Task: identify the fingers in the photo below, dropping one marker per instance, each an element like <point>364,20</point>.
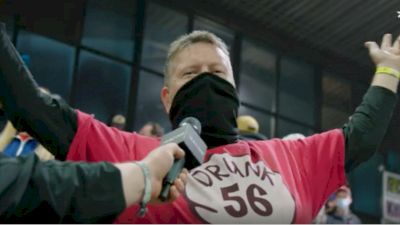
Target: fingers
<point>372,46</point>
<point>176,189</point>
<point>179,186</point>
<point>173,194</point>
<point>386,41</point>
<point>183,175</point>
<point>396,44</point>
<point>180,182</point>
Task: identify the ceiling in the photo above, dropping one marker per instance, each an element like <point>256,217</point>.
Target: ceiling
<point>338,26</point>
<point>330,32</point>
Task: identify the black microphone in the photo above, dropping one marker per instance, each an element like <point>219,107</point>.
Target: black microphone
<point>187,136</point>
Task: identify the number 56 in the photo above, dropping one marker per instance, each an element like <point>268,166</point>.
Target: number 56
<point>264,210</point>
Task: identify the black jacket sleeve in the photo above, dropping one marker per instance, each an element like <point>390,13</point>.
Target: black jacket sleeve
<point>44,116</point>
<point>32,191</point>
<point>367,126</point>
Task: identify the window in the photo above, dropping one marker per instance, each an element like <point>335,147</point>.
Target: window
<point>162,26</point>
<point>222,32</point>
<point>102,86</point>
<point>109,27</point>
<point>8,20</point>
<point>286,127</point>
<point>336,107</point>
<point>51,62</point>
<point>297,98</point>
<point>258,77</point>
<point>7,15</point>
<point>149,106</point>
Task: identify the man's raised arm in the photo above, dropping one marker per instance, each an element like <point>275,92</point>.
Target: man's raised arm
<point>367,126</point>
<point>47,118</point>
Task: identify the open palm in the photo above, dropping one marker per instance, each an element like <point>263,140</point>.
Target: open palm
<point>388,54</point>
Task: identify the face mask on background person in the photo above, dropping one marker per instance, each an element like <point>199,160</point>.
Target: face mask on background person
<point>343,205</point>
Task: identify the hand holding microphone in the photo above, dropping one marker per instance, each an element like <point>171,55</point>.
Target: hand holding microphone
<point>159,163</point>
<point>187,137</point>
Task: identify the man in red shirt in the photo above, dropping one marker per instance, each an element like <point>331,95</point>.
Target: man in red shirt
<point>271,181</point>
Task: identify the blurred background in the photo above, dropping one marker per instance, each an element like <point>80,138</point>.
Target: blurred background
<point>300,66</point>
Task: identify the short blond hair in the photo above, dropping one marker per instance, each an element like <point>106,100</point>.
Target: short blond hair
<point>197,36</point>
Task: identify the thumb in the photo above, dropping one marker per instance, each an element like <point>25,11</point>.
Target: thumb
<point>177,152</point>
<point>372,46</point>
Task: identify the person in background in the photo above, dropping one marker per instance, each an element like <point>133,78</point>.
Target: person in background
<point>294,136</point>
<point>248,128</point>
<point>339,208</point>
<point>14,143</point>
<point>152,129</point>
<point>118,121</point>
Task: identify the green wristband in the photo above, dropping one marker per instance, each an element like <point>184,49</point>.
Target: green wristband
<point>147,188</point>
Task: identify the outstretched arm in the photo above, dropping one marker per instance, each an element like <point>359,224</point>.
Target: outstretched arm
<point>46,117</point>
<point>367,126</point>
<point>53,192</point>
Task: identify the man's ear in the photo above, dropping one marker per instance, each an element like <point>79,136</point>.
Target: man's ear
<point>166,98</point>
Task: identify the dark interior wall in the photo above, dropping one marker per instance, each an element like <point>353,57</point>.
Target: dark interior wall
<point>55,19</point>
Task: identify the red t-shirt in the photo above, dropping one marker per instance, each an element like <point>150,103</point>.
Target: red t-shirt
<point>271,181</point>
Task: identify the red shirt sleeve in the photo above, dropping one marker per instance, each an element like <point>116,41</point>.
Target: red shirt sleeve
<point>320,160</point>
<point>94,141</point>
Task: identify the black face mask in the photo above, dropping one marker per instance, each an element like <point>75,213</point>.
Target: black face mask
<point>214,102</point>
